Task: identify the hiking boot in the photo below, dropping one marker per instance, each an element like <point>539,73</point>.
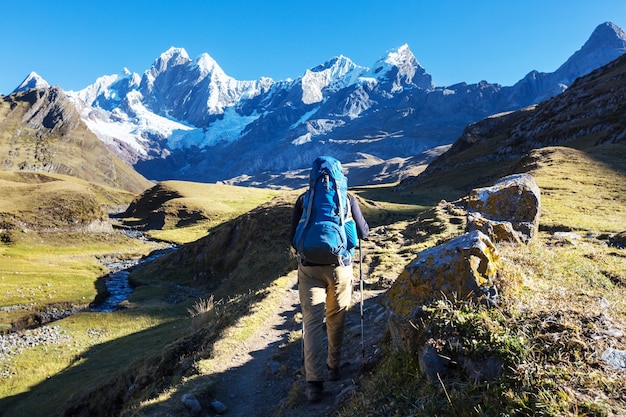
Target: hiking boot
<point>314,391</point>
<point>333,374</point>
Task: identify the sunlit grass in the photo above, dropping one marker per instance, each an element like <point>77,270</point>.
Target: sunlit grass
<point>43,272</point>
<point>582,191</point>
<point>560,297</point>
<point>81,335</point>
<point>190,210</point>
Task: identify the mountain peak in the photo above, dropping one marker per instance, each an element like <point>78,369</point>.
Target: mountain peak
<point>33,80</point>
<point>606,43</point>
<point>338,72</point>
<point>401,66</point>
<point>335,63</point>
<point>400,56</point>
<point>170,58</point>
<point>207,64</point>
<point>607,34</point>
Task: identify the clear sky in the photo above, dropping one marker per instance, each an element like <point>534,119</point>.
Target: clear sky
<point>70,43</point>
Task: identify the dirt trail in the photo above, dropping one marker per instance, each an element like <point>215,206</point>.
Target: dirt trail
<point>265,376</point>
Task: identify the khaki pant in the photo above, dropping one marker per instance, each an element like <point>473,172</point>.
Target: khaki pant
<point>323,289</point>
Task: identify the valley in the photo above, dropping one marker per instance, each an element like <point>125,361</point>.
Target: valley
<point>213,327</point>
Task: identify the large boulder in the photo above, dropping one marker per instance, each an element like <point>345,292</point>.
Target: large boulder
<point>508,210</point>
<point>464,267</point>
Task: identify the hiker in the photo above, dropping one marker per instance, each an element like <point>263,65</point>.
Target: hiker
<point>325,281</point>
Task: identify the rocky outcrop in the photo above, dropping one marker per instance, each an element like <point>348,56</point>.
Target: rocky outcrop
<point>509,210</point>
<point>43,132</point>
<point>462,269</point>
<point>464,266</point>
<point>618,240</point>
<point>50,109</point>
<point>588,114</point>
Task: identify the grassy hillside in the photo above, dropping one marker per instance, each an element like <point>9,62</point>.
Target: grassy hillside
<point>53,230</point>
<point>562,296</point>
<point>55,268</point>
<point>549,320</point>
<point>41,131</point>
<point>181,212</point>
<point>52,201</point>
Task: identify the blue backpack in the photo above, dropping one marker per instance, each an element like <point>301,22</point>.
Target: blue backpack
<point>326,233</point>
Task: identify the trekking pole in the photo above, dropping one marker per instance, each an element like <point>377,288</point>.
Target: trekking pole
<point>302,343</point>
<point>302,332</point>
<point>361,284</point>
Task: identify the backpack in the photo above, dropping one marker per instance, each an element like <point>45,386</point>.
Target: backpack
<point>326,232</point>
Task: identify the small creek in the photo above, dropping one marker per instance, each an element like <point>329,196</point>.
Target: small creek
<point>117,285</point>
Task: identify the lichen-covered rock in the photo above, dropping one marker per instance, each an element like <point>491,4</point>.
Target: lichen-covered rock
<point>462,267</point>
<point>498,231</point>
<point>515,199</point>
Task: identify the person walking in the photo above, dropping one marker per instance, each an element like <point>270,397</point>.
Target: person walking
<point>325,281</point>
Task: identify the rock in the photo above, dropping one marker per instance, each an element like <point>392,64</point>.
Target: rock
<point>481,371</point>
<point>191,402</point>
<point>219,407</point>
<point>50,109</point>
<point>615,358</point>
<point>432,364</point>
<point>604,303</point>
<point>515,199</point>
<point>616,333</point>
<point>274,367</point>
<point>463,267</point>
<point>618,240</point>
<point>498,231</point>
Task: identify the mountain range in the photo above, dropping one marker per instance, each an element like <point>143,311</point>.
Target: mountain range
<point>187,119</point>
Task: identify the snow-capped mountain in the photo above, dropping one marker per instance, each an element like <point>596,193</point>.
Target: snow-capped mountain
<point>32,81</point>
<point>187,119</point>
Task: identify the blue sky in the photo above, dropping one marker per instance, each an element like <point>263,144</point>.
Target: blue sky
<point>71,43</point>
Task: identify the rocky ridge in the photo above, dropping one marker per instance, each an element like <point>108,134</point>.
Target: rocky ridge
<point>588,114</point>
<point>42,131</point>
<point>261,132</point>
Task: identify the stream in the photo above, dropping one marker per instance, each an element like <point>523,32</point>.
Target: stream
<point>118,289</point>
<point>116,281</point>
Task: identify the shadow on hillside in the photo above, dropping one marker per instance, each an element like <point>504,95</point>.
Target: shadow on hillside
<point>134,368</point>
<point>612,156</point>
<point>108,368</point>
<point>101,380</point>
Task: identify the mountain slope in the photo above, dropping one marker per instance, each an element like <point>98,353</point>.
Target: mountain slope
<point>186,119</point>
<point>40,130</point>
<point>588,116</point>
<point>562,297</point>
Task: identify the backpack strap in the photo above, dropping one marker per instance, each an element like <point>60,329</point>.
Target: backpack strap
<point>342,214</point>
<point>309,205</point>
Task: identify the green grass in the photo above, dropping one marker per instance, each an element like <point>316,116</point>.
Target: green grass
<point>38,271</point>
<point>557,297</point>
<point>543,330</point>
<point>189,209</point>
<point>146,342</point>
<point>582,191</point>
<point>97,349</point>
